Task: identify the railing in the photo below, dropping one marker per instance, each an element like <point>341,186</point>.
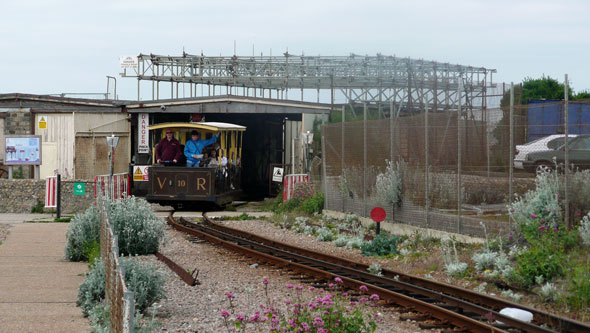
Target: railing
<point>119,189</point>
<point>120,301</point>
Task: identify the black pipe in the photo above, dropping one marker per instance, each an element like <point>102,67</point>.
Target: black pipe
<point>58,196</point>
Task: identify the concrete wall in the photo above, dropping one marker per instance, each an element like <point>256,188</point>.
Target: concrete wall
<point>21,195</point>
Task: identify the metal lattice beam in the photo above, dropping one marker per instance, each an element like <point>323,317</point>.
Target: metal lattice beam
<point>380,80</point>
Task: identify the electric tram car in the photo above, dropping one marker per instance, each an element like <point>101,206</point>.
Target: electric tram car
<point>180,186</point>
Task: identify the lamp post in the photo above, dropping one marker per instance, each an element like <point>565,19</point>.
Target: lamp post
<point>112,142</point>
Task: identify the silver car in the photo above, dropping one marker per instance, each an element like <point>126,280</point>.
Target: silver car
<point>550,142</point>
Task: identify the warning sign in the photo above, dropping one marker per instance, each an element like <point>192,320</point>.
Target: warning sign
<point>140,173</point>
<point>277,175</point>
<point>42,122</point>
<point>143,138</point>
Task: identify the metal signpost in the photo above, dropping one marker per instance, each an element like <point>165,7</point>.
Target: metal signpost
<point>112,142</point>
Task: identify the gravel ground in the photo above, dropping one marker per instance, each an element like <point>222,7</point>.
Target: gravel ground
<point>198,308</point>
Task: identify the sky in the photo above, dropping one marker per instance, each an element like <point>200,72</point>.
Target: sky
<point>59,46</point>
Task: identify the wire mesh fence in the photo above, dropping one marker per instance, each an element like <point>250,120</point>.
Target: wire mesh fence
<point>456,170</point>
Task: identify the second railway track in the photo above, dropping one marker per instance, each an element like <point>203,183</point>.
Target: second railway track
<point>450,308</point>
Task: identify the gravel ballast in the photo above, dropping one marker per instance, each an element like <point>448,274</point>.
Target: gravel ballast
<point>198,308</point>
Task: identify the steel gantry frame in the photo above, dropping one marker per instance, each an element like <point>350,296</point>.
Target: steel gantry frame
<point>389,82</point>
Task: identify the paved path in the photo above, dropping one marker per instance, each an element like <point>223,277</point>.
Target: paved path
<point>38,288</point>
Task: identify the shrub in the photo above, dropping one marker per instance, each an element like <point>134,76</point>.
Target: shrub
<point>139,230</point>
<point>83,232</point>
<point>355,243</point>
<point>539,260</point>
<point>484,260</point>
<point>375,269</point>
<point>584,229</point>
<point>382,245</point>
<point>142,278</point>
<point>453,266</point>
<point>580,289</point>
<point>325,235</point>
<point>549,292</point>
<point>540,205</point>
<point>341,241</point>
<point>389,183</point>
<point>512,295</point>
<point>313,204</point>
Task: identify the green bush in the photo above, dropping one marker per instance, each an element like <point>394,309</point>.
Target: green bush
<point>91,251</point>
<point>142,278</point>
<point>38,208</point>
<point>139,230</point>
<point>82,231</point>
<point>313,204</point>
<point>580,289</point>
<point>382,245</point>
<point>539,260</point>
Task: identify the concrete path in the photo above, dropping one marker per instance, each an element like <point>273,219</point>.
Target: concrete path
<point>38,288</point>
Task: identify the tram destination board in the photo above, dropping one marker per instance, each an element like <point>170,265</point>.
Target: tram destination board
<point>174,181</point>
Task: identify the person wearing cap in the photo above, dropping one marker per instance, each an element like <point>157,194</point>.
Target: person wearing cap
<point>168,149</point>
<point>194,147</point>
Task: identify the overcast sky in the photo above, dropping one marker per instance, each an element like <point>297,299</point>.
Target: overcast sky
<point>55,46</point>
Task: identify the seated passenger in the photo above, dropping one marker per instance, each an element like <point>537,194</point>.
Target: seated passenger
<point>168,149</point>
<point>194,147</point>
<point>205,160</point>
<point>213,163</point>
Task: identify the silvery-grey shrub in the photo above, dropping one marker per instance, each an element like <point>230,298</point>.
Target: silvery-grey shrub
<point>139,230</point>
<point>584,229</point>
<point>82,230</point>
<point>389,183</point>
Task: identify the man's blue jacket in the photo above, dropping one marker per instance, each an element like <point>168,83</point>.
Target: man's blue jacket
<point>195,148</point>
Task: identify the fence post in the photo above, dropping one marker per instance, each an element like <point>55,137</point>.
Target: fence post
<point>365,159</point>
<point>129,299</point>
<point>426,163</point>
<point>511,159</point>
<point>567,156</point>
<point>324,171</point>
<point>459,142</point>
<point>58,196</point>
<point>342,156</point>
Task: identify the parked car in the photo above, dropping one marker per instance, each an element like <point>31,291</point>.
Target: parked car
<point>543,161</point>
<point>550,142</point>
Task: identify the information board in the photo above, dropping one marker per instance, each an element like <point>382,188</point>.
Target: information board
<point>22,149</point>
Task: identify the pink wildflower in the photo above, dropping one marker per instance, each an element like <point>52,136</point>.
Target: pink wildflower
<point>229,295</point>
<point>224,313</point>
<point>331,285</point>
<point>510,237</point>
<point>311,288</point>
<point>240,317</point>
<point>555,229</point>
<point>255,317</point>
<point>318,322</point>
<point>345,294</point>
<point>374,297</point>
<point>287,302</point>
<point>353,303</point>
<point>306,327</point>
<point>265,281</point>
<point>363,299</point>
<point>364,288</point>
<point>542,228</point>
<point>299,288</point>
<point>289,286</point>
<point>533,216</point>
<point>337,280</point>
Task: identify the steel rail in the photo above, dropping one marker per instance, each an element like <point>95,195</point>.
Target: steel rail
<point>440,313</point>
<point>387,283</point>
<point>560,324</point>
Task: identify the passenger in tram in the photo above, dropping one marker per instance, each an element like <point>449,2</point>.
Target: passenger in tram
<point>213,163</point>
<point>205,160</point>
<point>168,149</point>
<point>194,147</point>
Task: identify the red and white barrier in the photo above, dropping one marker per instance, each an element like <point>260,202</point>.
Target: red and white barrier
<point>120,187</point>
<point>51,192</point>
<point>289,183</point>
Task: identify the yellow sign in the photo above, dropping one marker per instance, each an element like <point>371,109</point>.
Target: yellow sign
<point>140,173</point>
<point>42,123</point>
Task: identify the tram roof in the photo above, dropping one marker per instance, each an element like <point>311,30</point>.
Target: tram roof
<point>207,126</point>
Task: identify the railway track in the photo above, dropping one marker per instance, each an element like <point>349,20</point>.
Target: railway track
<point>440,305</point>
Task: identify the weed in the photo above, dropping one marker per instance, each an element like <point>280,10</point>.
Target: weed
<point>62,219</point>
<point>382,245</point>
<point>549,292</point>
<point>579,289</point>
<point>375,269</point>
<point>38,208</point>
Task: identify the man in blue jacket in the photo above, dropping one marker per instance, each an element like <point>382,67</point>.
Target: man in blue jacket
<point>194,147</point>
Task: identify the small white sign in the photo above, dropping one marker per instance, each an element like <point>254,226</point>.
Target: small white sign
<point>128,62</point>
<point>143,138</point>
<point>277,175</point>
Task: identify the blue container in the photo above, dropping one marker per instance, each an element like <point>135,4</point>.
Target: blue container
<point>545,117</point>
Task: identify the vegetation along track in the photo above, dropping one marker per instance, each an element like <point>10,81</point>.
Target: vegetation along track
<point>447,305</point>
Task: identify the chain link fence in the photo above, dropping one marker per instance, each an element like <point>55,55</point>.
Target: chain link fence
<point>455,170</point>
